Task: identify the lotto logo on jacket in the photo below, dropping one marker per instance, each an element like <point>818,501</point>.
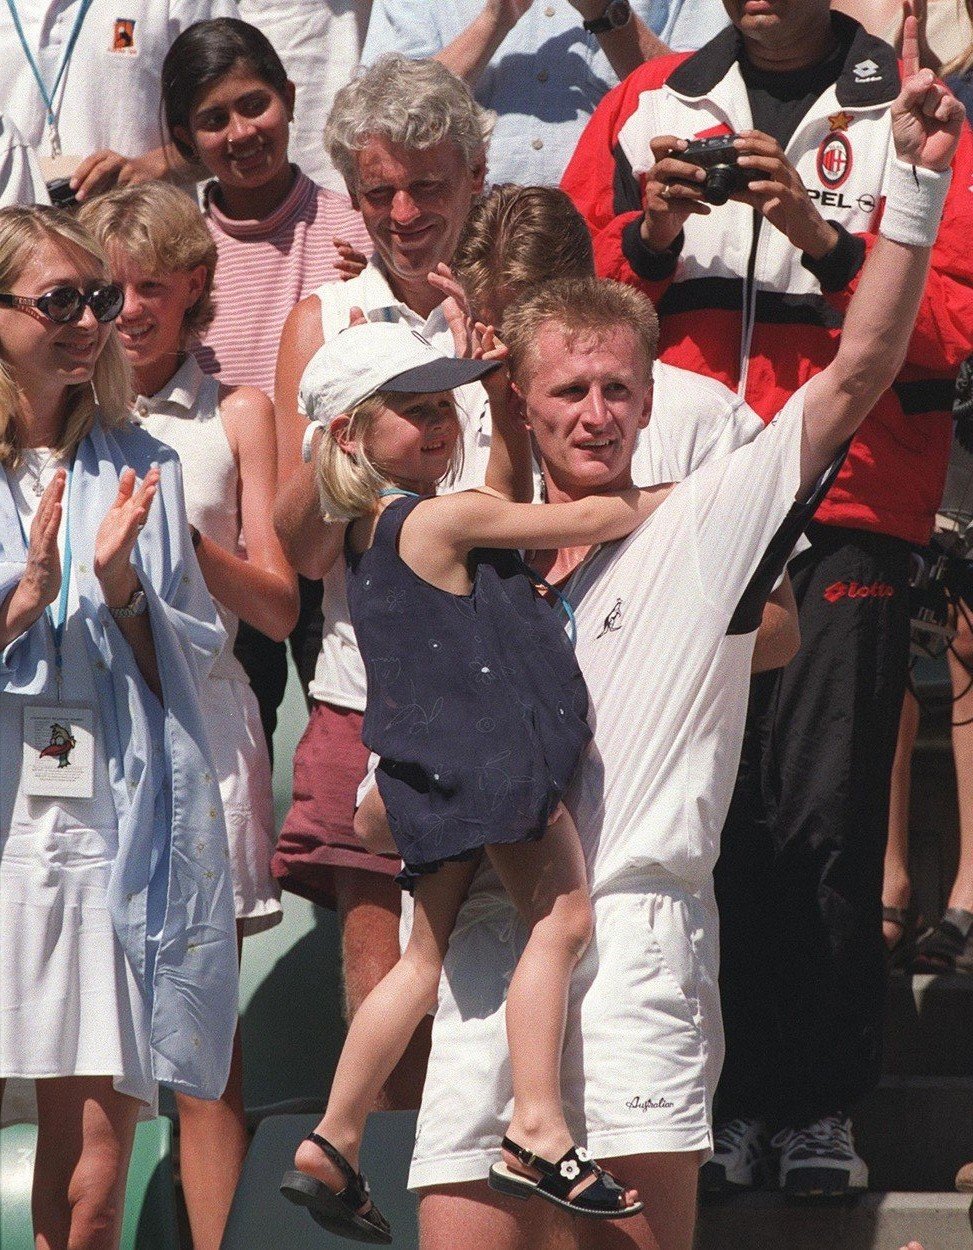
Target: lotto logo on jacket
<point>858,590</point>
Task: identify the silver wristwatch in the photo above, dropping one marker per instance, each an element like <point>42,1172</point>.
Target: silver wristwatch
<point>136,606</point>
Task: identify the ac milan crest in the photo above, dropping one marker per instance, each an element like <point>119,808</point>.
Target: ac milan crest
<point>834,159</point>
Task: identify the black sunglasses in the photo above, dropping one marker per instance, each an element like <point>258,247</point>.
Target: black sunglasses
<point>65,304</point>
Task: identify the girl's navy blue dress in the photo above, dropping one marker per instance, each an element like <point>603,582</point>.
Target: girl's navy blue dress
<point>476,704</point>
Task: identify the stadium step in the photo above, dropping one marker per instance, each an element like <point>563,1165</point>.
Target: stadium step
<point>929,1026</point>
<point>878,1221</point>
<point>915,1132</point>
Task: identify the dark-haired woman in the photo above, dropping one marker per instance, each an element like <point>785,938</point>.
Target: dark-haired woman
<point>228,103</point>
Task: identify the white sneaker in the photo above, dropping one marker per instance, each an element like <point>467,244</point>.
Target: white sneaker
<point>820,1161</point>
<point>740,1158</point>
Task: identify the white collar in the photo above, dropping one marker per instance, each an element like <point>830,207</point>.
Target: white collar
<point>180,392</point>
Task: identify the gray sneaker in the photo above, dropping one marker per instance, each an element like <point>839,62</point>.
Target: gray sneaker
<point>819,1161</point>
<point>740,1158</point>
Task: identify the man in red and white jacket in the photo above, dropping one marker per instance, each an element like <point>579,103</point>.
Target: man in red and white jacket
<point>753,293</point>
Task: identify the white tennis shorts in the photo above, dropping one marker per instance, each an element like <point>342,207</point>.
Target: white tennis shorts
<point>644,1041</point>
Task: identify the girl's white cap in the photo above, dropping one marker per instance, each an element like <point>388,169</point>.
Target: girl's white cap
<point>378,356</point>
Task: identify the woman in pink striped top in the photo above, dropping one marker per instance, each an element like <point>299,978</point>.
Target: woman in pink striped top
<point>229,104</point>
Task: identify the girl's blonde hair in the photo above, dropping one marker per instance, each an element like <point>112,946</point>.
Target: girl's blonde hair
<point>109,393</point>
<point>350,485</point>
<point>162,230</point>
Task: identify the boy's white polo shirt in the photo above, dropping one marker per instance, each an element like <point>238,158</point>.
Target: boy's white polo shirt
<point>109,95</point>
<point>669,693</point>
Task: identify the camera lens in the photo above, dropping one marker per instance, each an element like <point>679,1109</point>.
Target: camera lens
<point>720,182</point>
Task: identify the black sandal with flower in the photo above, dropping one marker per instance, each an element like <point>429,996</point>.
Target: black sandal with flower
<point>603,1199</point>
<point>350,1212</point>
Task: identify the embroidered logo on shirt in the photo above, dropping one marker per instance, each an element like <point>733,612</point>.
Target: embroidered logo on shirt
<point>61,745</point>
<point>123,37</point>
<point>613,621</point>
<point>648,1104</point>
<point>834,159</point>
<point>867,71</point>
<point>858,590</point>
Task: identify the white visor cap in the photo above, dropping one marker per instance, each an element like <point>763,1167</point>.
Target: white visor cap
<point>378,356</point>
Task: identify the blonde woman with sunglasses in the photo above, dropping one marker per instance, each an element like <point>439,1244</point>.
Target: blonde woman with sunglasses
<point>116,907</point>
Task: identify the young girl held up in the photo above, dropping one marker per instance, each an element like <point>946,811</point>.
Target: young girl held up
<point>477,710</point>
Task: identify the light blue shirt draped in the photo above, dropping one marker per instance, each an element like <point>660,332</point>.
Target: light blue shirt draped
<point>170,895</point>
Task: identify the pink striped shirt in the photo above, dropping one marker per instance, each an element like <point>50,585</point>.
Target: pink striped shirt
<point>264,268</point>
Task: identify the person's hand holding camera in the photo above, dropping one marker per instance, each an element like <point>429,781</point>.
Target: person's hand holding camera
<point>779,195</point>
<point>673,192</point>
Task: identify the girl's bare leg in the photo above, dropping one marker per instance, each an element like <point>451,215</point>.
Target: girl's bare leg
<point>212,1146</point>
<point>84,1143</point>
<point>386,1020</point>
<point>548,885</point>
<point>896,887</point>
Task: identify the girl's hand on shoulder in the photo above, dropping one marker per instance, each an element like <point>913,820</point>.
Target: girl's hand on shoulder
<point>456,309</point>
<point>118,534</point>
<point>487,346</point>
<point>41,581</point>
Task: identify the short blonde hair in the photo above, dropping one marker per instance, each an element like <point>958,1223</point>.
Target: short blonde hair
<point>162,230</point>
<point>517,237</point>
<point>109,393</point>
<point>350,485</point>
<point>579,307</point>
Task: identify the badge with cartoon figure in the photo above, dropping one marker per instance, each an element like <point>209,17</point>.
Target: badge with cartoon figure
<point>59,752</point>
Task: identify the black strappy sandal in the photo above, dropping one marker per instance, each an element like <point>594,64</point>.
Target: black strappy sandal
<point>339,1212</point>
<point>603,1199</point>
<point>948,947</point>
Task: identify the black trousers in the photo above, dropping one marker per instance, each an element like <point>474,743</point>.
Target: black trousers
<point>799,879</point>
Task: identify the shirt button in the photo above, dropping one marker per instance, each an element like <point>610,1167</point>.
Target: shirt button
<point>543,76</point>
<point>549,11</point>
<point>537,144</point>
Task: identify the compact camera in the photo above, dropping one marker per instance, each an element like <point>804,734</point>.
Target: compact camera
<point>718,157</point>
<point>62,196</point>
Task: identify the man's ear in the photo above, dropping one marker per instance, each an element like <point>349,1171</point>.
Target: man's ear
<point>518,404</point>
<point>647,406</point>
<point>290,95</point>
<point>197,281</point>
<point>479,177</point>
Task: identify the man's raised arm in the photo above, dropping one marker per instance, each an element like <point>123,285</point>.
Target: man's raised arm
<point>926,124</point>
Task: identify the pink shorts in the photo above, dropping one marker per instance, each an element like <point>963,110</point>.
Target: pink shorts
<point>318,836</point>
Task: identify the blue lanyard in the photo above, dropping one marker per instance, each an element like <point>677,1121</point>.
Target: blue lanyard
<point>57,626</point>
<point>48,97</point>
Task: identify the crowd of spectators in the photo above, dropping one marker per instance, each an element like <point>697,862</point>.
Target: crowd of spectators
<point>233,185</point>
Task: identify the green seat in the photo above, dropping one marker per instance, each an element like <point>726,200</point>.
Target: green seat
<point>262,1218</point>
<point>150,1202</point>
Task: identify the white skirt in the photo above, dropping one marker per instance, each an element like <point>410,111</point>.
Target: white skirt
<point>239,752</point>
<point>69,1002</point>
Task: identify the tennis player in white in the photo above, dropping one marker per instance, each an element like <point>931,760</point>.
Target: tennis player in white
<point>665,624</point>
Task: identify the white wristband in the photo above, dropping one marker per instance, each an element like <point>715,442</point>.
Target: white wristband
<point>914,204</point>
<point>307,442</point>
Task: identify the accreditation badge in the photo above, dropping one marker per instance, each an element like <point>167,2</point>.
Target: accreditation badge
<point>59,752</point>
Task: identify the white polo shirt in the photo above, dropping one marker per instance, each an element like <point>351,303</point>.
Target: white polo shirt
<point>668,686</point>
<point>109,94</point>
